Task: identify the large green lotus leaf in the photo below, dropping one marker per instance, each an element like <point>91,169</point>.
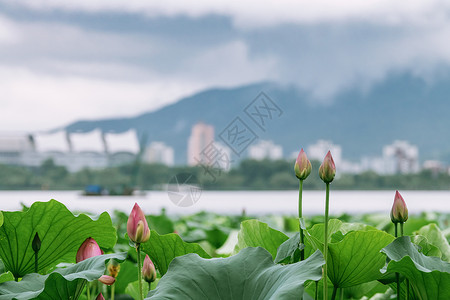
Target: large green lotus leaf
<point>428,276</point>
<point>289,251</point>
<point>61,235</point>
<point>356,258</point>
<point>254,233</point>
<point>435,237</point>
<point>62,283</point>
<point>250,274</point>
<point>162,249</point>
<point>425,247</point>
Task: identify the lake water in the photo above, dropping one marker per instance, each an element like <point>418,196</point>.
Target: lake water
<point>233,202</point>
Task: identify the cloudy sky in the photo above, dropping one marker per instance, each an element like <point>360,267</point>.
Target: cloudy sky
<point>62,61</point>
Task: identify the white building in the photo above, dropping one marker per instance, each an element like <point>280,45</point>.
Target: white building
<point>265,150</point>
<point>159,152</point>
<point>202,137</point>
<point>401,157</point>
<point>122,147</point>
<point>13,146</point>
<point>319,150</point>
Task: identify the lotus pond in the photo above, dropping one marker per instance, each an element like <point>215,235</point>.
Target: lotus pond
<point>48,252</point>
<point>209,256</point>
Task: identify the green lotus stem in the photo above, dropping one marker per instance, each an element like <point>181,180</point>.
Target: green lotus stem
<point>113,290</point>
<point>333,296</point>
<point>316,295</point>
<point>397,277</point>
<point>300,215</point>
<point>138,248</point>
<point>88,291</point>
<point>325,247</point>
<point>341,296</point>
<point>36,262</point>
<point>401,229</point>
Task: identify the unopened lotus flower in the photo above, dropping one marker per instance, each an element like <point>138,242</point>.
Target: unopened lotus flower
<point>327,169</point>
<point>36,244</point>
<point>302,166</point>
<point>100,297</point>
<point>88,249</point>
<point>108,280</point>
<point>148,270</point>
<point>399,211</point>
<point>137,226</point>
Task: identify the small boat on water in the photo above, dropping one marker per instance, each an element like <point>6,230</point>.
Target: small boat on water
<point>98,190</point>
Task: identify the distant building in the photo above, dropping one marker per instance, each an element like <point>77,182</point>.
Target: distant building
<point>13,147</point>
<point>319,150</point>
<point>202,136</point>
<point>158,152</point>
<point>265,150</point>
<point>401,158</point>
<point>122,148</point>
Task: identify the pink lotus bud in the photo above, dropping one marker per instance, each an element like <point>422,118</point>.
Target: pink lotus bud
<point>137,226</point>
<point>148,270</point>
<point>108,280</point>
<point>88,249</point>
<point>327,169</point>
<point>302,166</point>
<point>399,211</point>
<point>100,297</point>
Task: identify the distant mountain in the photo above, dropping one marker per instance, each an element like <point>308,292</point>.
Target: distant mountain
<point>400,107</point>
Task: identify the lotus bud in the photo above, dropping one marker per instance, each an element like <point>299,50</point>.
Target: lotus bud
<point>113,268</point>
<point>108,280</point>
<point>100,297</point>
<point>36,244</point>
<point>88,249</point>
<point>137,226</point>
<point>327,169</point>
<point>302,166</point>
<point>399,211</point>
<point>148,270</point>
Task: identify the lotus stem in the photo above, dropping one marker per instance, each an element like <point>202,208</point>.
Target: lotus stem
<point>138,248</point>
<point>36,262</point>
<point>397,277</point>
<point>341,296</point>
<point>88,291</point>
<point>113,291</point>
<point>300,215</point>
<point>316,296</point>
<point>325,247</point>
<point>333,296</point>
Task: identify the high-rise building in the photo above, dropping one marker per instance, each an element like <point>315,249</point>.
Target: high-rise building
<point>265,150</point>
<point>318,151</point>
<point>401,157</point>
<point>202,137</point>
<point>158,152</point>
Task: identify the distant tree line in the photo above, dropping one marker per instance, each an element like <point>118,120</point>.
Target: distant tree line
<point>248,175</point>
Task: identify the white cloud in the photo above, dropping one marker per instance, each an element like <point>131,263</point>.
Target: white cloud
<point>36,101</point>
<point>251,13</point>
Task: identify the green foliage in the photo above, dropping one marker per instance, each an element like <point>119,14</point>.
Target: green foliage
<point>247,175</point>
<point>61,235</point>
<point>436,238</point>
<point>62,283</point>
<point>429,276</point>
<point>254,233</point>
<point>250,274</point>
<point>162,249</point>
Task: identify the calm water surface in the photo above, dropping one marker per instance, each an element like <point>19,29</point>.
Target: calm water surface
<point>233,202</point>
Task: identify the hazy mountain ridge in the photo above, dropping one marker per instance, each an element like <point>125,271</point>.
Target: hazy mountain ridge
<point>400,107</point>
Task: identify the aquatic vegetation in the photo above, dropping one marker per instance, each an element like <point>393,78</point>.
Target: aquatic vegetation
<point>47,252</point>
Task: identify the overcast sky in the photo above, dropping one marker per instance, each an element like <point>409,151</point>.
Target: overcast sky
<point>62,61</point>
